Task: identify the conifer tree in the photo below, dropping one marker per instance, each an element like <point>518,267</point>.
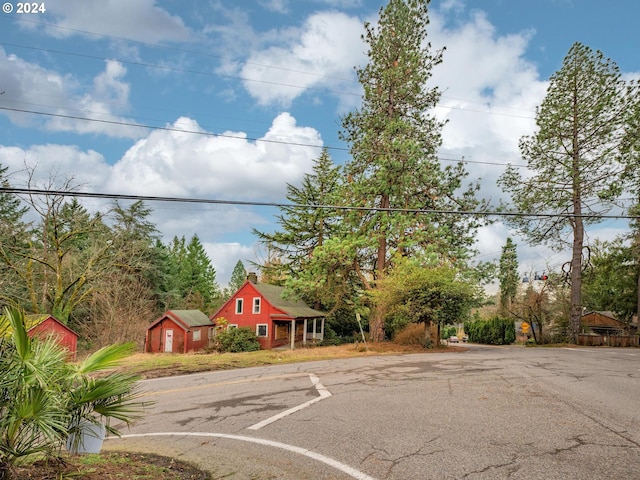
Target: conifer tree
<point>575,159</point>
<point>394,141</point>
<point>508,275</point>
<point>238,277</point>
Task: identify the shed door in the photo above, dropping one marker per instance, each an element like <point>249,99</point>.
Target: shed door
<point>168,340</point>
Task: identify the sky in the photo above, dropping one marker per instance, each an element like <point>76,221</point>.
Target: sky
<point>233,99</point>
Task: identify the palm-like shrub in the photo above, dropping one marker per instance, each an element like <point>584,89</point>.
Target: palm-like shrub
<point>44,399</point>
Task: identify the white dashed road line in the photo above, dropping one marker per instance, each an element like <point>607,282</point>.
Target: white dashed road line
<point>322,391</point>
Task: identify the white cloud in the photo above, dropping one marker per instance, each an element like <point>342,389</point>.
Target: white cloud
<point>179,163</point>
<point>279,6</point>
<point>321,54</point>
<point>140,20</point>
<point>55,164</point>
<point>224,257</point>
<point>61,97</point>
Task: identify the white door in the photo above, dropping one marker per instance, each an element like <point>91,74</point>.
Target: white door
<point>168,340</point>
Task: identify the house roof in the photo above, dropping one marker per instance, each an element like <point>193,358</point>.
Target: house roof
<point>185,318</point>
<point>602,319</point>
<point>294,307</point>
<point>605,313</point>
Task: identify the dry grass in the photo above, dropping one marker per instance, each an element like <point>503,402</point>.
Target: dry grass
<point>166,364</point>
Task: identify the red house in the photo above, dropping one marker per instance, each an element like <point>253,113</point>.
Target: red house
<point>277,321</point>
<point>39,325</point>
<point>179,331</point>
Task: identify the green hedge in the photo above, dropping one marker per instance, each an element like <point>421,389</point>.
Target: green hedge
<point>496,331</point>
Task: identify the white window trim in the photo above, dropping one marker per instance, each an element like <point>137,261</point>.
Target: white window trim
<point>254,305</point>
<point>197,335</point>
<point>239,303</point>
<point>232,325</point>
<point>266,325</point>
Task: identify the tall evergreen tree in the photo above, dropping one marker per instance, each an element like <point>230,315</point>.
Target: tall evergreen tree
<point>304,227</point>
<point>575,159</point>
<point>632,180</point>
<point>508,275</point>
<point>193,275</point>
<point>394,142</point>
<point>238,277</point>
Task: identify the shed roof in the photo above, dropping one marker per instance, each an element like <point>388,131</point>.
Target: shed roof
<point>34,319</point>
<point>184,318</point>
<point>294,307</point>
<point>191,318</point>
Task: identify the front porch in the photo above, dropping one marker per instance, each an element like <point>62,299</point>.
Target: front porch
<point>306,330</point>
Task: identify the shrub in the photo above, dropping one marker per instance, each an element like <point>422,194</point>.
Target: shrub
<point>495,331</point>
<point>413,334</point>
<point>233,340</point>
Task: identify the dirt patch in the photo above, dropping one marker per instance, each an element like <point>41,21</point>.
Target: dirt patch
<point>140,466</point>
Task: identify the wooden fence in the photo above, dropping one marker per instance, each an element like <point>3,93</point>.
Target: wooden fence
<point>592,340</point>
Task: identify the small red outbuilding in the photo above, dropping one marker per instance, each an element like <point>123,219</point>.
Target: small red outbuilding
<point>179,331</point>
<point>47,325</point>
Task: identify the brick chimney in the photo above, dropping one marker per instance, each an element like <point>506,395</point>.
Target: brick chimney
<point>252,277</point>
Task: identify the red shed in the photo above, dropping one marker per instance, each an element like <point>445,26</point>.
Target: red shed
<point>262,307</point>
<point>179,331</point>
<point>47,325</point>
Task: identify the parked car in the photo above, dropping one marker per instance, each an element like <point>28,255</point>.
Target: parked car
<point>453,339</point>
<point>465,339</point>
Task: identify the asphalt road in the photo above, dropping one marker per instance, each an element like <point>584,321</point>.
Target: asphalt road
<point>485,413</point>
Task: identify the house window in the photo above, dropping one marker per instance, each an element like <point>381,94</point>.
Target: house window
<point>262,330</point>
<point>239,303</point>
<point>232,325</point>
<point>256,305</point>
<point>196,335</point>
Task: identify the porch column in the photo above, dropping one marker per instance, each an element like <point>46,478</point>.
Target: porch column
<point>293,334</point>
<point>322,329</point>
<point>315,335</point>
<point>304,333</point>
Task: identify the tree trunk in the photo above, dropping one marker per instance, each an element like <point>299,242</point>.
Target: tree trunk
<point>376,324</point>
<point>575,313</point>
<point>376,321</point>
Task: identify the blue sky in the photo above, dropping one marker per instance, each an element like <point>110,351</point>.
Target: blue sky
<point>210,81</point>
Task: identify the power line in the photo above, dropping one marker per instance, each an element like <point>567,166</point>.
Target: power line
<point>208,201</point>
<point>223,135</point>
<point>266,82</point>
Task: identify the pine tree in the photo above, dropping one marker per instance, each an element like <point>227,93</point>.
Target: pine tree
<point>394,143</point>
<point>575,160</point>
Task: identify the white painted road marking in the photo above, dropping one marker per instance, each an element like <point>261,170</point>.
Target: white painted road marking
<point>323,393</point>
<point>352,472</point>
